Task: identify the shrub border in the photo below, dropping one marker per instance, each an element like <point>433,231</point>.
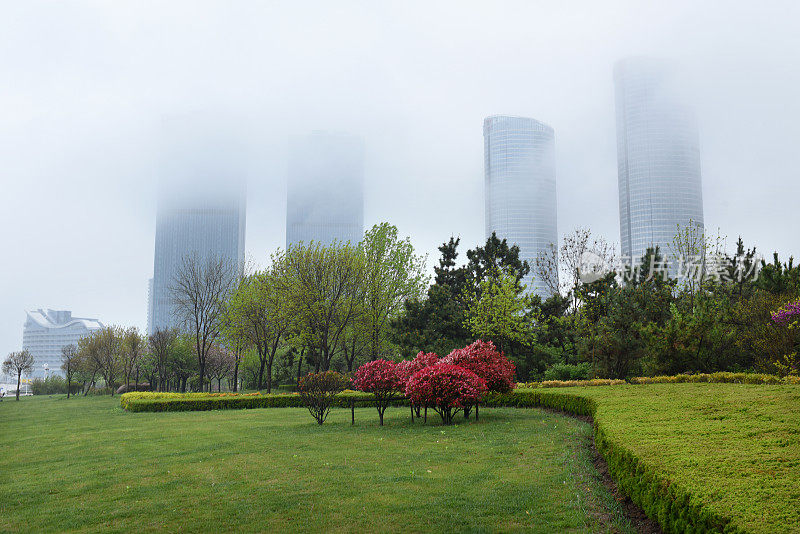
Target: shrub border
<point>195,402</point>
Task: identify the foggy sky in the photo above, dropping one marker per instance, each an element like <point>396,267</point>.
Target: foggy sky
<point>84,87</point>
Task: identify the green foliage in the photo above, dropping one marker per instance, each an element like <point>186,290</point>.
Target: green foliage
<point>501,312</point>
<point>392,275</point>
<point>456,306</point>
<point>53,384</point>
<point>564,371</point>
<point>318,392</point>
<point>190,402</point>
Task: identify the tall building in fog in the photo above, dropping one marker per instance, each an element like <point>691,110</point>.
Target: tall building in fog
<point>325,193</point>
<point>201,212</point>
<point>46,332</point>
<point>658,157</point>
<point>520,190</point>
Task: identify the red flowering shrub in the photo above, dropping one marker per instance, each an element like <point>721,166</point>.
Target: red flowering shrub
<point>447,388</point>
<point>380,378</point>
<point>483,359</point>
<point>406,368</point>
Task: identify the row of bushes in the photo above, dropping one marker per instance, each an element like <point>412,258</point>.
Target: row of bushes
<point>718,378</point>
<point>53,385</point>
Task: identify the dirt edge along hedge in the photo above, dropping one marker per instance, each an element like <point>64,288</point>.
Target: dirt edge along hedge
<point>665,502</point>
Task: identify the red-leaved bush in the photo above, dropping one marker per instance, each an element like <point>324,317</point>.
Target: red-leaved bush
<point>447,388</point>
<point>483,359</point>
<point>378,377</point>
<point>406,368</point>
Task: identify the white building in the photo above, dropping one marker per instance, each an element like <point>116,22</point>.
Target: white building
<point>521,188</point>
<point>45,332</point>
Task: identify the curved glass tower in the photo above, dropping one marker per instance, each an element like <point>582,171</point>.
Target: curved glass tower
<point>658,157</point>
<point>520,186</point>
<point>325,193</point>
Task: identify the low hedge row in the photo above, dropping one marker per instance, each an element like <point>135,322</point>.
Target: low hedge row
<point>717,378</point>
<point>191,402</point>
<point>572,383</point>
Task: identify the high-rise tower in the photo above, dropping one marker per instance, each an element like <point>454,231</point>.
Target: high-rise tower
<point>520,189</point>
<point>658,157</point>
<point>325,194</point>
<point>201,213</point>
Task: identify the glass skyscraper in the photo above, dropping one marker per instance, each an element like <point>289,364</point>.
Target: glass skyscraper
<point>658,157</point>
<point>201,210</point>
<point>520,189</point>
<point>325,193</point>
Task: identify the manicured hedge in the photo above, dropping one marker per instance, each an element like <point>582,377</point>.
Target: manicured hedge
<point>718,378</point>
<point>189,402</point>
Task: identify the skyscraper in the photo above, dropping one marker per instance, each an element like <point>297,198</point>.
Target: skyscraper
<point>658,157</point>
<point>201,213</point>
<point>325,193</point>
<point>520,191</point>
<point>45,332</point>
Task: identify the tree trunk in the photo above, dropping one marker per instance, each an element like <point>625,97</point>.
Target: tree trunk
<point>236,376</point>
<point>300,363</point>
<point>19,381</point>
<point>261,372</point>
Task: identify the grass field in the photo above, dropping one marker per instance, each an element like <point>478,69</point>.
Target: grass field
<point>85,465</point>
<point>735,448</point>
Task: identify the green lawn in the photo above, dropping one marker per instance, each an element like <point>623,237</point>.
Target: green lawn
<point>735,448</point>
<point>85,465</point>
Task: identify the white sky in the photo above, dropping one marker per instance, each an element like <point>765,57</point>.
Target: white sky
<point>84,87</point>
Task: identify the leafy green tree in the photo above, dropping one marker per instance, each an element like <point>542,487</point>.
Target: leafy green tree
<point>18,363</point>
<point>393,274</point>
<point>502,313</point>
<point>199,292</point>
<point>324,287</point>
<point>259,314</point>
<point>495,260</point>
<point>131,350</point>
<point>437,323</point>
<point>69,360</point>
